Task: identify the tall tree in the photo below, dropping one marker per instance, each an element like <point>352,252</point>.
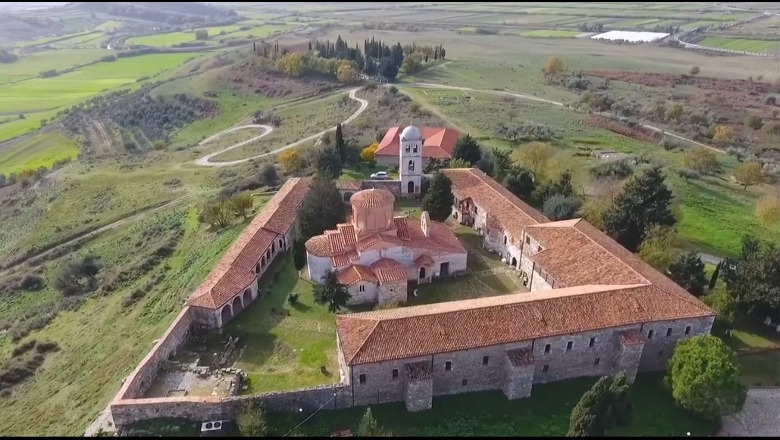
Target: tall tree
<point>467,148</point>
<point>340,145</point>
<point>658,247</point>
<point>502,163</point>
<point>331,292</point>
<point>606,405</point>
<point>561,187</point>
<point>688,271</point>
<point>321,209</point>
<point>755,280</point>
<point>705,377</point>
<point>388,69</point>
<point>520,182</point>
<point>438,200</point>
<point>644,202</point>
<point>269,175</point>
<point>328,163</point>
<point>299,254</point>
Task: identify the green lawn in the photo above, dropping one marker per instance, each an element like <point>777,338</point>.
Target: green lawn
<point>758,348</point>
<point>41,149</point>
<point>545,413</point>
<point>760,46</point>
<point>30,66</point>
<point>168,39</point>
<point>761,369</point>
<point>286,344</point>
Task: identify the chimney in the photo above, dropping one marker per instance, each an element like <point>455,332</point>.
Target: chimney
<point>425,220</point>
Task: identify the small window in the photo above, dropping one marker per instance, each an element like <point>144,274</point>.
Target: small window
<point>527,240</point>
<point>592,342</point>
<point>464,382</point>
<point>414,149</point>
<point>395,373</point>
<point>485,360</point>
<point>596,362</point>
<point>475,209</point>
<point>361,288</point>
<point>545,368</point>
<point>407,149</point>
<point>669,331</point>
<point>547,348</point>
<point>362,378</point>
<point>650,334</point>
<point>448,366</point>
<point>392,290</point>
<point>504,239</point>
<point>411,165</point>
<point>568,345</point>
<point>687,330</point>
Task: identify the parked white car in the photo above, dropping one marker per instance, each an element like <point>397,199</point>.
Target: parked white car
<point>380,175</point>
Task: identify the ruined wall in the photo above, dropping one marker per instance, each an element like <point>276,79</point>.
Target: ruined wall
<point>201,409</point>
<point>140,379</point>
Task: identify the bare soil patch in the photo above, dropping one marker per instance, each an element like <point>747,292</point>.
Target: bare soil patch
<point>256,79</point>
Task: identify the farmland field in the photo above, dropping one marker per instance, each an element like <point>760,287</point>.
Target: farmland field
<point>550,33</point>
<point>31,65</point>
<point>760,46</point>
<point>163,39</point>
<point>38,150</point>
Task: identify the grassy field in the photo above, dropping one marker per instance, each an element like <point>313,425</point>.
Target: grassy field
<point>759,46</point>
<point>287,344</point>
<point>40,149</point>
<point>103,340</point>
<point>550,33</point>
<point>545,413</point>
<point>31,65</point>
<point>168,39</point>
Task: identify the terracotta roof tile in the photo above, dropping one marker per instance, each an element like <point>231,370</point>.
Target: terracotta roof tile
<point>511,213</point>
<point>336,242</point>
<point>437,142</point>
<point>349,185</point>
<point>520,357</point>
<point>342,260</point>
<point>319,246</point>
<point>459,325</point>
<point>372,198</point>
<point>388,271</point>
<point>348,231</point>
<point>355,273</point>
<point>400,227</point>
<point>235,271</point>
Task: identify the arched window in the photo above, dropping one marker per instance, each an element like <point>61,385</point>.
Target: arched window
<point>411,165</point>
<point>414,149</point>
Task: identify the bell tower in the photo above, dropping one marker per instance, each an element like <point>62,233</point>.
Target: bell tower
<point>410,160</point>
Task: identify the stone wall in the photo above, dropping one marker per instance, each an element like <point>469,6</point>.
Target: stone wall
<point>467,371</point>
<point>140,379</point>
<point>394,186</point>
<point>659,347</point>
<point>201,409</point>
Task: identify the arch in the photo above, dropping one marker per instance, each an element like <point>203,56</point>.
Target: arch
<point>268,253</point>
<point>263,261</point>
<point>227,314</point>
<point>281,243</point>
<point>410,187</point>
<point>422,273</point>
<point>411,165</point>
<point>273,246</point>
<point>247,297</point>
<point>348,195</point>
<point>514,262</point>
<point>238,305</point>
<point>257,269</point>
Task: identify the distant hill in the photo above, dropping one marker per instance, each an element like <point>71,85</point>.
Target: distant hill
<point>162,12</point>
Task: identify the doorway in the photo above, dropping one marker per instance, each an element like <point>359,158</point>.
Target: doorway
<point>445,269</point>
<point>410,187</point>
<point>422,273</point>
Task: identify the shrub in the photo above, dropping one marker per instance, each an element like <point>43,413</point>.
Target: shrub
<point>559,207</point>
<point>687,173</point>
<point>32,282</point>
<point>616,169</point>
<point>292,298</point>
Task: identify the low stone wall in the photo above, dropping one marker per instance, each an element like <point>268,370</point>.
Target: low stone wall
<point>139,380</point>
<point>394,186</point>
<point>200,409</point>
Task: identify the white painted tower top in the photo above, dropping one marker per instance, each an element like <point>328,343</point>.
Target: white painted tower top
<point>411,133</point>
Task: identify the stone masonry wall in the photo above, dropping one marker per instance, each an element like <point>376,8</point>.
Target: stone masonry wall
<point>467,371</point>
<point>658,348</point>
<point>394,186</point>
<point>201,409</point>
<point>140,379</point>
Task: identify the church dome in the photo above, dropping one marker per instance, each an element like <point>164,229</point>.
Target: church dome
<point>372,198</point>
<point>411,133</point>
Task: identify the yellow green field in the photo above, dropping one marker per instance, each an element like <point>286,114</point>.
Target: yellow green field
<point>760,46</point>
<point>41,149</point>
<point>31,65</point>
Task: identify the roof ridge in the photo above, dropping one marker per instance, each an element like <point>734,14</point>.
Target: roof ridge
<point>504,194</point>
<point>370,333</point>
<point>607,250</point>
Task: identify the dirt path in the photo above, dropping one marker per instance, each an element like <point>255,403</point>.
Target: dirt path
<point>206,160</point>
<point>103,134</point>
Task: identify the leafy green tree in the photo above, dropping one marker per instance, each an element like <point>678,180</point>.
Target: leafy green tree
<point>217,214</point>
<point>269,175</point>
<point>688,271</point>
<point>251,420</point>
<point>561,187</point>
<point>705,377</point>
<point>645,201</point>
<point>240,204</point>
<point>468,149</point>
<point>753,283</point>
<point>606,405</point>
<point>368,426</point>
<point>438,200</point>
<point>520,181</point>
<point>502,163</point>
<point>328,163</point>
<point>486,164</point>
<point>560,207</point>
<point>658,247</point>
<point>724,304</point>
<point>331,293</point>
<point>299,254</point>
<point>388,68</point>
<point>456,163</point>
<point>321,209</point>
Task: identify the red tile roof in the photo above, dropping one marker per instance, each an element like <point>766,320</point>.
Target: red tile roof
<point>437,142</point>
<point>509,211</point>
<point>355,273</point>
<point>372,198</point>
<point>235,271</point>
<point>407,332</point>
<point>388,271</point>
<point>349,185</point>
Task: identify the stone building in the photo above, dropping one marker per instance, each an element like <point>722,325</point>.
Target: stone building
<point>376,252</point>
<point>233,284</point>
<point>437,142</point>
<point>594,309</point>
